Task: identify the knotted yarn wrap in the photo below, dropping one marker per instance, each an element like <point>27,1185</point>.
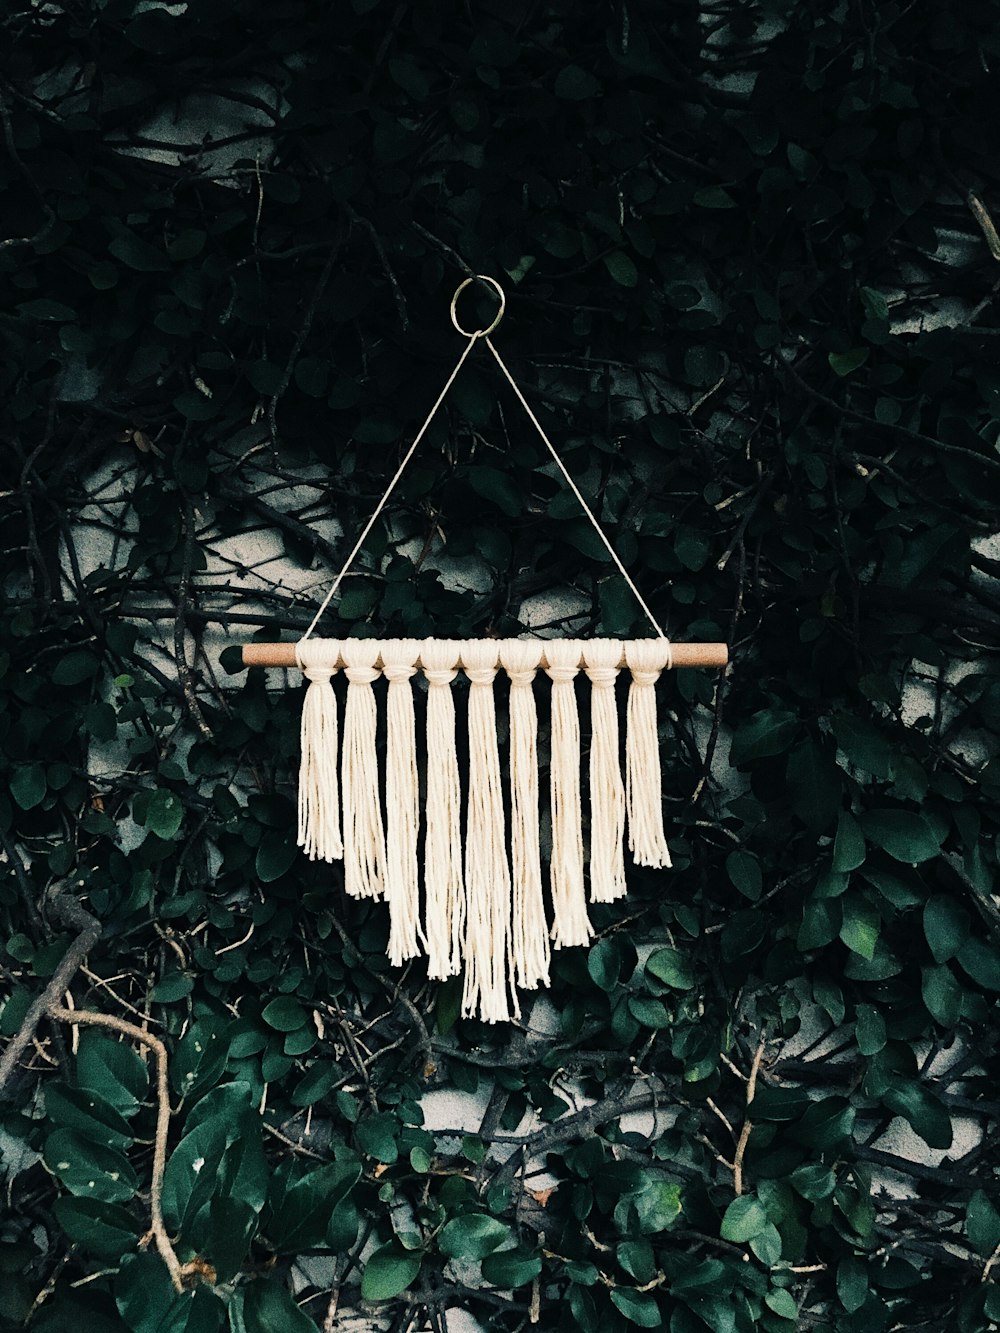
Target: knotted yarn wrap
<point>521,658</point>
<point>646,659</point>
<point>319,794</point>
<point>402,801</point>
<point>364,835</point>
<point>607,791</point>
<point>444,913</point>
<point>488,972</point>
<point>571,925</point>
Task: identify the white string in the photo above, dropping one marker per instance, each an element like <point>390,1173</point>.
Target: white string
<point>392,486</point>
<point>576,491</point>
<point>472,337</point>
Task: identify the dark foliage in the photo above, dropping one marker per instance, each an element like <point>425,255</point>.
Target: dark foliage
<point>751,275</point>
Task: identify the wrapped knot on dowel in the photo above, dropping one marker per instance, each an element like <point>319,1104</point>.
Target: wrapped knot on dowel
<point>457,851</point>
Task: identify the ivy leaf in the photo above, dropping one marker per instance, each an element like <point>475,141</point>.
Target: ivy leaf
<point>744,1219</point>
<point>844,363</point>
<point>638,1307</point>
<point>904,834</point>
<point>268,1307</point>
<point>982,1224</point>
<point>472,1236</point>
<point>28,785</point>
<point>621,268</point>
<point>511,1268</point>
<point>105,1229</point>
<point>389,1271</point>
<point>671,967</point>
<point>767,732</point>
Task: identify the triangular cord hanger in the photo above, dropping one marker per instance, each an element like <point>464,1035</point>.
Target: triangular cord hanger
<point>475,898</point>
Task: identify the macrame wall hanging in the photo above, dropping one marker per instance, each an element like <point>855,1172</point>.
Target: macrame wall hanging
<point>461,871</point>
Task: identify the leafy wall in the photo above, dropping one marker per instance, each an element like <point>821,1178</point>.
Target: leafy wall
<point>752,275</point>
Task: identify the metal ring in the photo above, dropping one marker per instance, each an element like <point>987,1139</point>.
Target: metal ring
<point>478,333</point>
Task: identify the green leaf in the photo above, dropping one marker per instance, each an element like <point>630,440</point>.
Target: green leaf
<point>904,834</point>
<point>782,1303</point>
<point>88,1169</point>
<point>285,1014</point>
<point>164,814</point>
<point>389,1271</point>
<point>925,1113</point>
<point>657,1204</point>
<point>268,1307</point>
<point>105,1229</point>
<point>826,1124</point>
<point>575,84</point>
<point>604,964</point>
<point>638,1307</point>
<point>497,487</point>
<point>849,844</point>
<point>276,855</point>
<point>378,1136</point>
<point>981,962</point>
<point>743,1219</point>
<point>852,1284</point>
<point>135,253</point>
<point>75,667</point>
<point>671,967</point>
<point>622,268</point>
<point>112,1071</point>
<point>472,1236</point>
<point>843,363</point>
<point>941,994</point>
<point>87,1114</point>
<point>307,1207</point>
<point>982,1224</point>
<point>946,926</point>
<point>317,1081</point>
<point>637,1259</point>
<point>768,732</point>
<point>745,873</point>
<point>869,1029</point>
<point>860,925</point>
<point>511,1268</point>
<point>28,785</point>
<point>813,1182</point>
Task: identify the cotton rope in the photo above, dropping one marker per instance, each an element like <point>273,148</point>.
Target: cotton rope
<point>364,836</point>
<point>402,801</point>
<point>571,925</point>
<point>607,791</point>
<point>520,658</point>
<point>319,791</point>
<point>488,983</point>
<point>444,891</point>
<point>646,658</point>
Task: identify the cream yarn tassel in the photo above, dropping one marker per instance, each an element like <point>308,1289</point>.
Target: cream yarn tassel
<point>488,981</point>
<point>319,795</point>
<point>645,658</point>
<point>607,791</point>
<point>444,919</point>
<point>402,801</point>
<point>571,925</point>
<point>520,658</point>
<point>364,837</point>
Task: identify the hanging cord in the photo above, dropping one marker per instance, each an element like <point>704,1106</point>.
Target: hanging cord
<point>576,491</point>
<point>473,336</point>
<point>392,484</point>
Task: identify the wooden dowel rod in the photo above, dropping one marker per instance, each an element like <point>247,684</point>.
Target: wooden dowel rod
<point>684,654</point>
